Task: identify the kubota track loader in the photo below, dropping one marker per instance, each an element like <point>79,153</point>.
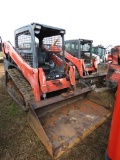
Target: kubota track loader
<point>38,79</point>
<point>79,53</point>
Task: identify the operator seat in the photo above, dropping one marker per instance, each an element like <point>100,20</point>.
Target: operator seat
<point>41,63</point>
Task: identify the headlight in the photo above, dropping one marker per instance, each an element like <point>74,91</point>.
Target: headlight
<point>62,32</point>
<point>38,27</point>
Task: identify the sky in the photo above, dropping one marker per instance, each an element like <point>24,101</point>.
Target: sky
<point>97,20</point>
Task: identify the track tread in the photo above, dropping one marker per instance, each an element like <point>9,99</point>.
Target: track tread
<point>22,84</point>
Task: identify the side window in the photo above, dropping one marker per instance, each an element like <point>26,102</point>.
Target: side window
<point>23,40</point>
<point>74,49</point>
<point>96,51</point>
<point>73,46</point>
<point>93,50</point>
<point>99,51</point>
<point>67,46</point>
<point>76,46</point>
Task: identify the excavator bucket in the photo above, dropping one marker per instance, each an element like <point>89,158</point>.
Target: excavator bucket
<point>60,122</point>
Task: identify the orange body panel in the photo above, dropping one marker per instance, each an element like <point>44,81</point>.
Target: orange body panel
<point>77,62</point>
<point>115,58</point>
<point>72,75</point>
<point>114,138</point>
<point>115,54</point>
<point>57,84</point>
<point>42,80</point>
<point>51,85</point>
<point>115,76</point>
<point>56,60</point>
<point>55,49</point>
<point>95,64</point>
<point>109,57</point>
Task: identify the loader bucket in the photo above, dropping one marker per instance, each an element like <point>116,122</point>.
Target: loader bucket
<point>103,96</point>
<point>60,122</point>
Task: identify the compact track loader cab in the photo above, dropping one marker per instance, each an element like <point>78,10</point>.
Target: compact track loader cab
<point>39,79</point>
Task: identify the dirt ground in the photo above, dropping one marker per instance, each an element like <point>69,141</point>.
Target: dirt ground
<point>19,142</point>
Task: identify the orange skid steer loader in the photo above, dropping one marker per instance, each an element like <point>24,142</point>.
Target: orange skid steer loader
<point>79,53</point>
<point>37,78</point>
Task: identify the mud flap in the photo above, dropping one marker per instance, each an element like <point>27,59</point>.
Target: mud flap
<point>61,129</point>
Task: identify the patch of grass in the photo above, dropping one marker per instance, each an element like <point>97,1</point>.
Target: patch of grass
<point>14,110</point>
<point>10,115</point>
<point>11,110</point>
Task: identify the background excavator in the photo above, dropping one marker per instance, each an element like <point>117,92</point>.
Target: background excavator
<point>39,79</point>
